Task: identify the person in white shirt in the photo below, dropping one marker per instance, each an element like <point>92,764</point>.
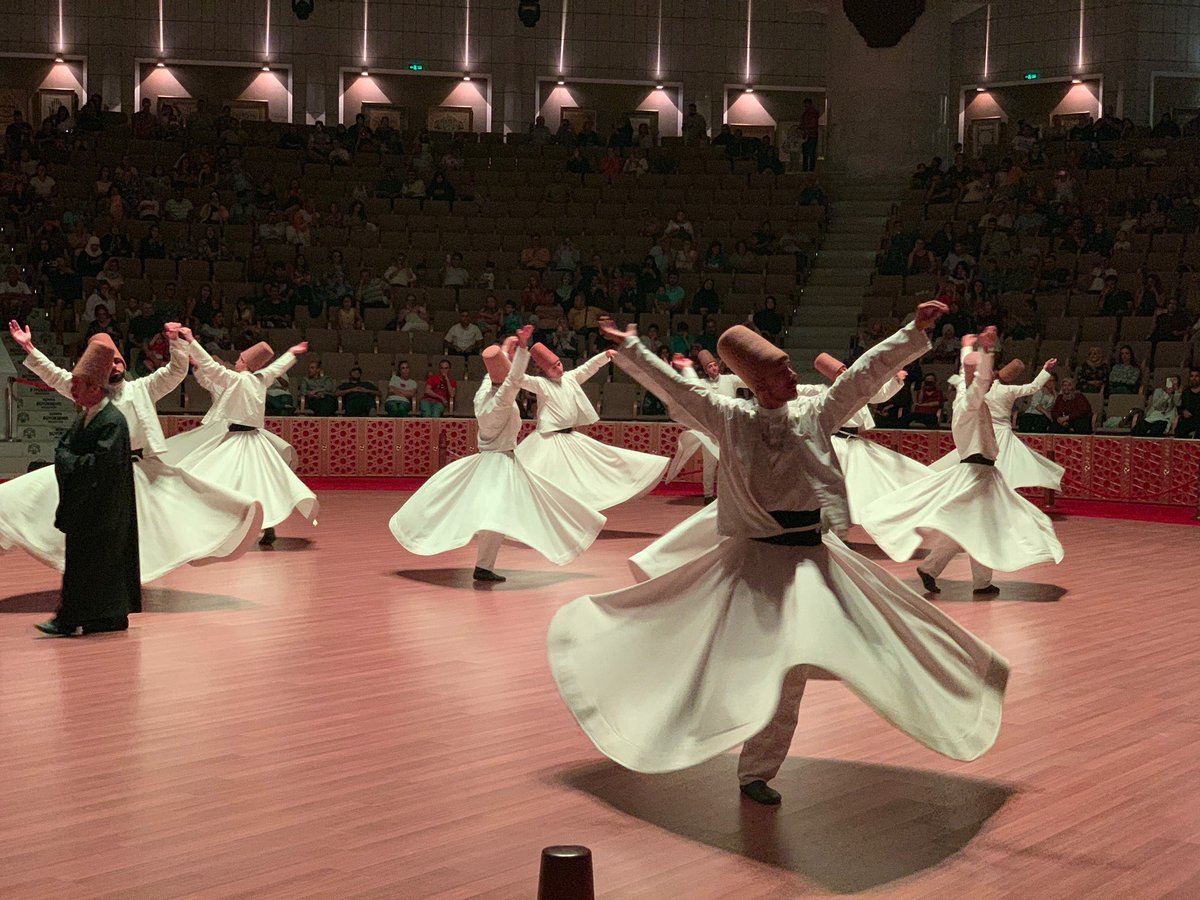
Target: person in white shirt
<point>185,517</point>
<point>692,440</point>
<point>454,275</point>
<point>400,273</point>
<point>599,475</point>
<point>729,640</point>
<point>464,337</point>
<point>245,458</point>
<point>968,507</point>
<point>1020,466</point>
<point>489,495</point>
<point>402,392</point>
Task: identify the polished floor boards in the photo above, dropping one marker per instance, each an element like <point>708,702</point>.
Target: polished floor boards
<point>337,718</point>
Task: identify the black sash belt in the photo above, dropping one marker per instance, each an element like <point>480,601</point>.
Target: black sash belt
<point>846,432</point>
<point>979,459</point>
<point>233,427</point>
<point>564,431</point>
<point>136,455</point>
<point>805,518</point>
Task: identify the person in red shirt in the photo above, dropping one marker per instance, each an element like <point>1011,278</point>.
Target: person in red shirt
<point>440,389</point>
<point>927,403</point>
<point>1071,413</point>
<point>145,123</point>
<point>810,129</point>
<point>610,163</point>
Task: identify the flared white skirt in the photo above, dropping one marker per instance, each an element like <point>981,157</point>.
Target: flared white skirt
<point>182,445</point>
<point>872,471</point>
<point>597,475</point>
<point>688,443</point>
<point>1020,466</point>
<point>666,674</point>
<point>182,518</point>
<point>493,492</point>
<point>973,506</point>
<point>249,463</point>
<point>689,540</point>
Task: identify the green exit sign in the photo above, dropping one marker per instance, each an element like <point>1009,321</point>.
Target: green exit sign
<point>1032,76</point>
<point>416,67</point>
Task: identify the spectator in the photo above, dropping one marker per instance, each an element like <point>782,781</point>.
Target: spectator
<point>441,189</point>
<point>652,340</point>
<point>487,278</point>
<point>1092,374</point>
<point>144,326</point>
<point>715,259</point>
<point>768,322</point>
<point>1151,297</point>
<point>927,403</point>
<point>686,257</point>
<point>1071,413</point>
<point>1038,416</point>
<point>346,317</point>
<point>679,227</point>
<point>535,256</point>
<point>636,164</point>
<point>454,275</point>
<point>1166,128</point>
<point>317,391</point>
<point>371,292</point>
<point>214,212</point>
<point>16,299</point>
<point>401,399</point>
<point>767,157</point>
<point>415,316</point>
<point>920,260</point>
<point>695,127</point>
<point>578,163</point>
<point>274,310</point>
<point>810,130</point>
<point>440,389</point>
<point>539,133</point>
<point>681,340</point>
<point>178,208</point>
<point>742,260</point>
<point>414,186</point>
<point>584,321</point>
<point>102,324</point>
<point>359,398</point>
<point>534,295</point>
<point>566,257</point>
<point>1111,301</point>
<point>1188,425</point>
<point>512,319</point>
<point>670,296</point>
<point>1162,411</point>
<point>1126,375</point>
<point>145,123</point>
<point>1172,324</point>
<point>946,348</point>
<point>706,300</point>
<point>489,316</point>
<point>464,337</point>
<point>564,342</point>
<point>44,187</point>
<point>89,262</point>
<point>610,164</point>
<point>400,273</point>
<point>707,339</point>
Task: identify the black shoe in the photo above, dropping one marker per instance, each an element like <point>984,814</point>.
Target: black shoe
<point>990,591</point>
<point>268,537</point>
<point>101,626</point>
<point>55,629</point>
<point>481,574</point>
<point>761,792</point>
<point>708,500</point>
<point>931,585</point>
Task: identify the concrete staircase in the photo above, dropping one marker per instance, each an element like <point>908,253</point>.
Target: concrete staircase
<point>826,316</point>
<point>39,417</point>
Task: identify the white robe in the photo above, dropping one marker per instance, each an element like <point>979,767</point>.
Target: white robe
<point>1020,466</point>
<point>598,475</point>
<point>968,503</point>
<point>182,516</point>
<point>691,440</point>
<point>248,461</point>
<point>490,491</point>
<point>669,673</point>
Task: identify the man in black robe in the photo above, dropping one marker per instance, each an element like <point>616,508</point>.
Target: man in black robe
<point>96,508</point>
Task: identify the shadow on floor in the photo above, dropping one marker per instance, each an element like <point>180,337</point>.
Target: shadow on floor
<point>517,580</point>
<point>845,826</point>
<point>154,600</point>
<point>1010,592</point>
<point>693,500</point>
<point>289,545</point>
<point>611,534</point>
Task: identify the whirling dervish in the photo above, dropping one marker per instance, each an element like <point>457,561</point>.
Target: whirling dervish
<point>490,495</point>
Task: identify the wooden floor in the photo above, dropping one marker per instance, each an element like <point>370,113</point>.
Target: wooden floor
<point>338,718</point>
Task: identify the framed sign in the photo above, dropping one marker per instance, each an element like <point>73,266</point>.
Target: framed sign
<point>578,117</point>
<point>1066,121</point>
<point>397,116</point>
<point>49,102</point>
<point>453,119</point>
<point>640,117</point>
<point>183,106</point>
<point>250,110</point>
<point>753,132</point>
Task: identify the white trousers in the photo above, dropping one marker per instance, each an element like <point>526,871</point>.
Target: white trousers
<point>943,550</point>
<point>487,548</point>
<point>764,753</point>
<point>710,471</point>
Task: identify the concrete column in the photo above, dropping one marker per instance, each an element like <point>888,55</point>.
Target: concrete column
<point>888,108</point>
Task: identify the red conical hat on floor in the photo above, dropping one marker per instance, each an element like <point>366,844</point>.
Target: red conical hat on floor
<point>828,366</point>
<point>1011,371</point>
<point>96,364</point>
<point>543,356</point>
<point>496,363</point>
<point>107,341</point>
<point>748,354</point>
<point>254,358</point>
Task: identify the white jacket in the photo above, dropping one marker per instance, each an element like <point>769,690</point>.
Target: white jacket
<point>496,409</point>
<point>242,397</point>
<point>563,404</point>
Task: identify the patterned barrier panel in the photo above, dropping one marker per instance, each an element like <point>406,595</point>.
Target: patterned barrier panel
<point>1151,470</point>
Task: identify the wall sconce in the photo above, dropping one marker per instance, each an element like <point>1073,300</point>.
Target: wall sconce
<point>365,73</point>
<point>749,89</point>
<point>561,82</point>
<point>466,76</point>
<point>161,64</point>
<point>266,67</point>
<point>59,59</point>
<point>1076,81</point>
<point>659,87</point>
<point>980,89</point>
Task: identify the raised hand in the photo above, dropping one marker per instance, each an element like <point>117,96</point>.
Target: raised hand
<point>610,353</point>
<point>300,349</point>
<point>524,333</point>
<point>988,339</point>
<point>22,336</point>
<point>901,377</point>
<point>1049,365</point>
<point>681,362</point>
<point>185,334</point>
<point>610,330</point>
<point>929,312</point>
<point>172,330</point>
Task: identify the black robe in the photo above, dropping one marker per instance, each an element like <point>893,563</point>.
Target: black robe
<point>98,514</point>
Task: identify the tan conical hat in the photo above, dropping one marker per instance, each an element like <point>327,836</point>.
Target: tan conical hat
<point>107,341</point>
<point>543,356</point>
<point>748,354</point>
<point>828,366</point>
<point>254,358</point>
<point>705,359</point>
<point>496,363</point>
<point>1011,371</point>
<point>95,365</point>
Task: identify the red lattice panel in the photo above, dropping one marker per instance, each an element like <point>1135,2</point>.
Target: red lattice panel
<point>668,437</point>
<point>343,446</point>
<point>1184,476</point>
<point>1110,468</point>
<point>638,437</point>
<point>1038,443</point>
<point>527,428</point>
<point>944,444</point>
<point>459,437</point>
<point>381,446</point>
<point>917,445</point>
<point>182,424</point>
<point>306,440</point>
<point>1072,454</point>
<point>604,432</point>
<point>416,449</point>
<point>1148,469</point>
